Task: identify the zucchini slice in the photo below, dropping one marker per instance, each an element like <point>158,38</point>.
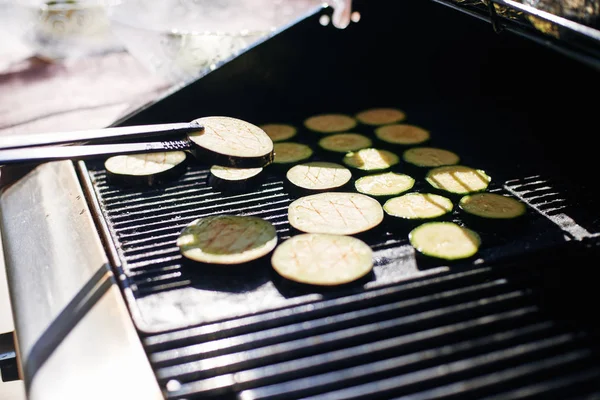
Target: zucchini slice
<point>458,179</point>
<point>430,157</point>
<point>402,134</point>
<point>380,116</point>
<point>418,206</point>
<point>492,205</point>
<point>319,175</point>
<point>445,240</point>
<point>279,132</point>
<point>338,213</point>
<point>227,239</point>
<point>322,259</point>
<point>345,142</point>
<point>233,178</point>
<point>291,152</point>
<point>385,184</point>
<point>146,169</point>
<point>371,159</point>
<point>330,123</point>
<point>231,142</point>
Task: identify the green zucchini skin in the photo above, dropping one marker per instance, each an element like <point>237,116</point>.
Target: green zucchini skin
<point>483,180</point>
<point>395,221</point>
<point>208,157</point>
<point>516,221</point>
<point>408,185</point>
<point>153,180</point>
<point>429,254</point>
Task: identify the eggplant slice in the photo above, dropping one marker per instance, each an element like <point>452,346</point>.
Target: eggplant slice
<point>338,213</point>
<point>231,142</point>
<point>227,239</point>
<point>146,169</point>
<point>319,175</point>
<point>322,259</point>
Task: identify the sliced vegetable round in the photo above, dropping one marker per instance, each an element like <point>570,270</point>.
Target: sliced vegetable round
<point>385,184</point>
<point>445,240</point>
<point>430,157</point>
<point>319,175</point>
<point>279,132</point>
<point>234,174</point>
<point>291,152</point>
<point>402,134</point>
<point>345,142</point>
<point>418,206</point>
<point>232,142</point>
<point>147,168</point>
<point>371,159</point>
<point>227,239</point>
<point>381,116</point>
<point>458,179</point>
<point>338,213</point>
<point>330,123</point>
<point>492,205</point>
<point>322,259</point>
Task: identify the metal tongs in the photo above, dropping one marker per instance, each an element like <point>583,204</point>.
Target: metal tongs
<point>85,144</point>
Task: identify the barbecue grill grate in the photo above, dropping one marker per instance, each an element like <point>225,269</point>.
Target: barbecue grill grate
<point>429,332</point>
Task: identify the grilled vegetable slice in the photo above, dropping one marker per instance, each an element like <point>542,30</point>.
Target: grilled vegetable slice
<point>381,116</point>
<point>338,213</point>
<point>371,159</point>
<point>279,132</point>
<point>145,169</point>
<point>385,184</point>
<point>330,123</point>
<point>227,239</point>
<point>429,157</point>
<point>458,179</point>
<point>492,206</point>
<point>319,175</point>
<point>322,259</point>
<point>402,134</point>
<point>445,240</point>
<point>345,142</point>
<point>291,152</point>
<point>231,142</point>
<point>233,178</point>
<point>418,206</point>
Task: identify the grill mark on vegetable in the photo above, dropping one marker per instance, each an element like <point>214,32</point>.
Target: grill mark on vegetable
<point>339,213</point>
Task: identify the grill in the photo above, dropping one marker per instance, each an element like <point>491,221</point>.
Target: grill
<point>512,324</point>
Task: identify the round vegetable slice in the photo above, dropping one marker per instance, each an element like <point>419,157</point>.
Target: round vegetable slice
<point>418,206</point>
<point>227,239</point>
<point>291,152</point>
<point>233,179</point>
<point>430,157</point>
<point>234,174</point>
<point>458,179</point>
<point>445,240</point>
<point>345,142</point>
<point>319,175</point>
<point>330,123</point>
<point>279,132</point>
<point>147,168</point>
<point>232,142</point>
<point>371,159</point>
<point>322,259</point>
<point>381,116</point>
<point>492,205</point>
<point>385,184</point>
<point>402,134</point>
<point>339,213</point>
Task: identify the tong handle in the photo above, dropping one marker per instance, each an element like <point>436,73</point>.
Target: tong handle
<point>99,135</point>
<point>80,152</point>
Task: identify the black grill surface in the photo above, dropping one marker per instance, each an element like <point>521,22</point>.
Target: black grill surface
<point>516,322</point>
